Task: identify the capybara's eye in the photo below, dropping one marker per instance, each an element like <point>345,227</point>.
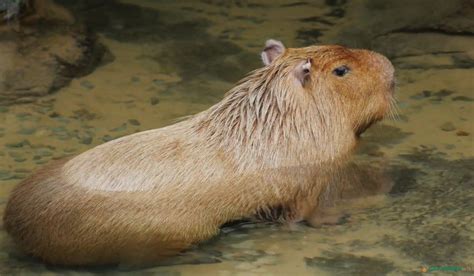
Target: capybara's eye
<point>341,71</point>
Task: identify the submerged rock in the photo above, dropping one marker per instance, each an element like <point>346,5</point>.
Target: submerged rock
<point>41,56</point>
<point>411,35</point>
<point>10,9</point>
<point>448,126</point>
<point>348,264</point>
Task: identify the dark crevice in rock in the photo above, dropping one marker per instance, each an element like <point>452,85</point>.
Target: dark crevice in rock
<point>335,3</point>
<point>431,30</point>
<point>317,19</point>
<point>309,36</point>
<point>295,4</point>
<point>425,54</point>
<point>338,13</point>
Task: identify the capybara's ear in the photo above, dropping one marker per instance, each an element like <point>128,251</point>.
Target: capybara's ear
<point>303,71</point>
<point>273,48</point>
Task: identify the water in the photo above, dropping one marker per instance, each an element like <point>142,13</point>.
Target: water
<point>175,59</point>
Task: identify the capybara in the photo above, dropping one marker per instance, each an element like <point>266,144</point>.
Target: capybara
<point>274,140</point>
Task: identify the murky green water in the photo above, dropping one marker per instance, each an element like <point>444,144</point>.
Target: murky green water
<point>175,59</point>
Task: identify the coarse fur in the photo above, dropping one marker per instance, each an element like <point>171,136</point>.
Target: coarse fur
<point>274,140</point>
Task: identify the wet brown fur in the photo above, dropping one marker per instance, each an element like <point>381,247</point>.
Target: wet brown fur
<point>271,141</point>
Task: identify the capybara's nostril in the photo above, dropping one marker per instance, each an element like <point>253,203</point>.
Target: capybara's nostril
<point>392,86</point>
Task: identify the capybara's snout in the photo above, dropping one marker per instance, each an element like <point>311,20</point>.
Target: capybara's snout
<point>381,67</point>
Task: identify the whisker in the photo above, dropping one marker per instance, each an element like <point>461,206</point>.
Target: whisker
<point>393,109</point>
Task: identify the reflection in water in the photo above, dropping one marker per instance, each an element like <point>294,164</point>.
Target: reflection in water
<point>143,64</point>
<point>342,188</point>
<point>354,182</point>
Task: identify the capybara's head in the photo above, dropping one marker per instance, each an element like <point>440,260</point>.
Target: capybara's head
<point>353,86</point>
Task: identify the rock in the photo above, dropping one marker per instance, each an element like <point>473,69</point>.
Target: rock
<point>70,150</point>
<point>33,10</point>
<point>158,82</point>
<point>120,128</point>
<point>246,266</point>
<point>36,65</point>
<point>54,114</point>
<point>44,152</point>
<point>24,116</point>
<point>462,133</point>
<point>411,35</point>
<point>87,140</point>
<point>443,93</point>
<point>18,144</point>
<point>463,60</point>
<point>463,98</point>
<point>19,159</point>
<point>134,122</point>
<point>450,146</point>
<point>11,9</point>
<point>107,138</point>
<point>426,93</point>
<point>87,85</point>
<point>448,126</point>
<point>5,175</point>
<point>26,131</point>
<point>154,100</point>
<point>83,115</point>
<point>348,264</point>
<point>244,245</point>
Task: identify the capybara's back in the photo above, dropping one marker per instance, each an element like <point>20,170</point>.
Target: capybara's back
<point>63,224</point>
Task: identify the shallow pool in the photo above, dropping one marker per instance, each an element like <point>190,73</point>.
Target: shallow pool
<point>171,60</point>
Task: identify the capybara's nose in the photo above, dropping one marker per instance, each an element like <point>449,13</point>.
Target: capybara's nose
<point>387,70</point>
<point>381,66</point>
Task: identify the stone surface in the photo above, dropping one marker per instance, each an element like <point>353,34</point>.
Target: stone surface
<point>40,59</point>
<point>448,126</point>
<point>351,264</point>
<point>407,31</point>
